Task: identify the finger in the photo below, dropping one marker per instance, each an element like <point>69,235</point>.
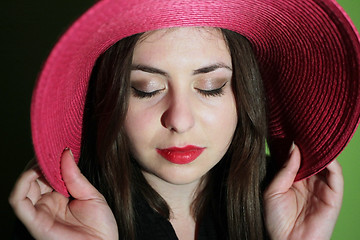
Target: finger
<point>284,179</point>
<point>34,193</point>
<point>335,177</point>
<point>32,164</point>
<point>77,184</point>
<point>19,200</point>
<point>22,186</point>
<point>44,185</point>
<point>38,188</point>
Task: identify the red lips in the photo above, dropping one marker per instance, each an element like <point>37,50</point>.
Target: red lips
<point>181,155</point>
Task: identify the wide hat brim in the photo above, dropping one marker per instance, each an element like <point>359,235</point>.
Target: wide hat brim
<point>308,52</point>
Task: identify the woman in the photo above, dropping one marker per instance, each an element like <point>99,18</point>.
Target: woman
<point>174,130</point>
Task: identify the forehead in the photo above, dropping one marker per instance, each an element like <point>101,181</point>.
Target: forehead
<point>182,42</point>
<point>207,32</point>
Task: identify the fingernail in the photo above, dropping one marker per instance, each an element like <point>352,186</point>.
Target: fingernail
<point>71,153</point>
<point>68,149</point>
<point>292,147</point>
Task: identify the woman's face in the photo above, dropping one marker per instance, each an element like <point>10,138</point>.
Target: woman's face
<point>182,112</point>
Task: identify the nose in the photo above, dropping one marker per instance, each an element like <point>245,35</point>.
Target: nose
<point>178,116</point>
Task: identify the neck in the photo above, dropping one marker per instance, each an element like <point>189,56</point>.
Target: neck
<point>179,197</point>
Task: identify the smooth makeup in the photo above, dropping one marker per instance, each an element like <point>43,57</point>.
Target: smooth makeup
<point>183,155</point>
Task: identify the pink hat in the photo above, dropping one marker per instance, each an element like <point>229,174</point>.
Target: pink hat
<point>308,52</point>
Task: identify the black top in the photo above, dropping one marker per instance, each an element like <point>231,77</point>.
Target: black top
<point>152,226</point>
<point>149,226</point>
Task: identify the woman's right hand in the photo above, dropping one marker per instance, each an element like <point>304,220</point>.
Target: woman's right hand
<point>49,215</point>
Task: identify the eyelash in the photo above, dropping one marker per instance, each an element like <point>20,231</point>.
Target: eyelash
<point>140,94</point>
<point>207,93</point>
<point>214,92</point>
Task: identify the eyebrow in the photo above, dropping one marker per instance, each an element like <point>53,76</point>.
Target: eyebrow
<point>149,69</point>
<point>202,70</point>
<point>211,68</point>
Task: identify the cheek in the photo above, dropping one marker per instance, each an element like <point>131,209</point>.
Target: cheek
<point>139,125</point>
<point>222,118</point>
<point>220,126</point>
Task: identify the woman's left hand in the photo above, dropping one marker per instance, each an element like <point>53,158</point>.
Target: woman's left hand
<point>306,209</point>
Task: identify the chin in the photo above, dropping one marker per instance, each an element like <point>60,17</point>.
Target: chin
<point>181,180</point>
<point>180,176</point>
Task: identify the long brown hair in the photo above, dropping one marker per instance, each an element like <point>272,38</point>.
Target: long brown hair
<point>235,200</point>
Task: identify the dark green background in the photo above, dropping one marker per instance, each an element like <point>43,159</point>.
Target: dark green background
<point>28,31</point>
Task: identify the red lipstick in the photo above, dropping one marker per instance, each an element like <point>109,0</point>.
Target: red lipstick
<point>181,155</point>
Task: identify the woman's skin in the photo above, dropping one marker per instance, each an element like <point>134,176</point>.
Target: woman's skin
<point>48,215</point>
<point>175,68</point>
<point>176,114</point>
<point>306,209</point>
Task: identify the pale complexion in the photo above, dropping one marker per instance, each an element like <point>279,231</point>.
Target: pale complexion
<point>178,113</point>
<point>181,95</point>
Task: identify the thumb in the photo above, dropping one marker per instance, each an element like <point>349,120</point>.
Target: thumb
<point>284,179</point>
<point>77,184</point>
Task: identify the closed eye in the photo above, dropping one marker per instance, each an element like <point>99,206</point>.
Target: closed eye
<point>212,92</point>
<point>141,94</point>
